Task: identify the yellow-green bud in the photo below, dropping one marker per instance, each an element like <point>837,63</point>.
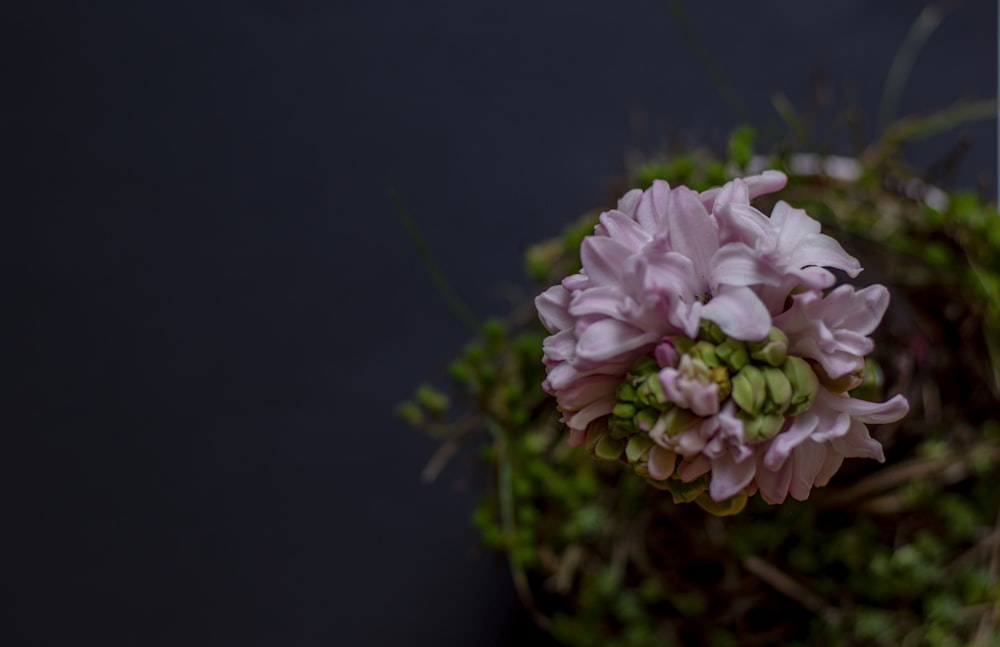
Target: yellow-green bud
<point>646,418</point>
<point>720,375</point>
<point>608,448</point>
<point>732,505</point>
<point>624,410</point>
<point>637,448</point>
<point>779,390</point>
<point>804,383</point>
<point>733,353</point>
<point>672,422</point>
<point>710,331</point>
<point>761,427</point>
<point>772,350</point>
<point>705,351</point>
<point>749,389</point>
<point>626,393</point>
<point>650,392</point>
<point>686,492</point>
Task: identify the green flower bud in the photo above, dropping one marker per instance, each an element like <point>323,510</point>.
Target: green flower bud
<point>733,353</point>
<point>626,392</point>
<point>720,376</point>
<point>637,448</point>
<point>705,351</point>
<point>682,344</point>
<point>761,427</point>
<point>620,427</point>
<point>646,418</point>
<point>686,492</point>
<point>710,331</point>
<point>650,392</point>
<point>749,389</point>
<point>804,383</point>
<point>779,390</point>
<point>772,350</point>
<point>643,366</point>
<point>732,505</point>
<point>672,422</point>
<point>624,410</point>
<point>608,448</point>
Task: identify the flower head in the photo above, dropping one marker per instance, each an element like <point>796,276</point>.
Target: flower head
<point>696,344</point>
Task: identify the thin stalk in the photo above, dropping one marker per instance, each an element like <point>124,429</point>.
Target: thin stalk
<point>444,288</point>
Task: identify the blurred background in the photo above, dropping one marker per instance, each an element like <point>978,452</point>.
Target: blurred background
<point>213,306</point>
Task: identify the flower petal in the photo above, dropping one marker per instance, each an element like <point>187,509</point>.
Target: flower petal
<point>608,338</point>
<point>739,313</point>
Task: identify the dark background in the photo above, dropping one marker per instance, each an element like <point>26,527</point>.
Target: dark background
<point>211,307</point>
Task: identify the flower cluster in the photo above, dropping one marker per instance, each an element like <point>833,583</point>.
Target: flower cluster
<point>699,344</point>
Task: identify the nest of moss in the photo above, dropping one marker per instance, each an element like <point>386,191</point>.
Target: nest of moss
<point>904,553</point>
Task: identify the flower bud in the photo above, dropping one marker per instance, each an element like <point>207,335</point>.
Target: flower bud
<point>733,353</point>
<point>720,376</point>
<point>672,422</point>
<point>779,390</point>
<point>686,492</point>
<point>840,384</point>
<point>772,350</point>
<point>637,448</point>
<point>749,389</point>
<point>626,392</point>
<point>650,392</point>
<point>761,427</point>
<point>710,331</point>
<point>705,351</point>
<point>804,383</point>
<point>624,410</point>
<point>732,505</point>
<point>608,449</point>
<point>646,418</point>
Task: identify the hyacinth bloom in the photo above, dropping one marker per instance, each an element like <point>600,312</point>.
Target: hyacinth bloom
<point>699,344</point>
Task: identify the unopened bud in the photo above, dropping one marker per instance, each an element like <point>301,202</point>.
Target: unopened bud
<point>646,418</point>
<point>637,448</point>
<point>772,350</point>
<point>761,427</point>
<point>650,392</point>
<point>733,353</point>
<point>686,492</point>
<point>804,383</point>
<point>624,410</point>
<point>608,448</point>
<point>749,389</point>
<point>841,384</point>
<point>710,331</point>
<point>720,376</point>
<point>626,393</point>
<point>705,351</point>
<point>732,505</point>
<point>779,390</point>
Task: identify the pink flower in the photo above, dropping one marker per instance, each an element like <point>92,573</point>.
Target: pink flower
<point>675,330</point>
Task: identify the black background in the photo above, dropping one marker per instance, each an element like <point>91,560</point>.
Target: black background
<point>211,306</point>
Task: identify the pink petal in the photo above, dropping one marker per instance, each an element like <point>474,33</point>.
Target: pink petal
<point>603,259</point>
<point>608,338</point>
<point>693,231</point>
<point>739,313</point>
<point>780,447</point>
<point>729,477</point>
<point>551,306</point>
<point>624,229</point>
<point>806,462</point>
